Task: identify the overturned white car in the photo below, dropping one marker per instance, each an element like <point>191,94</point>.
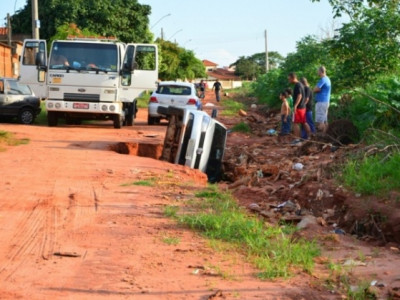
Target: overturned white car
<point>194,139</point>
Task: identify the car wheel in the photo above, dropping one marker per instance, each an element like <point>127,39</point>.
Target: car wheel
<point>52,118</point>
<point>151,120</point>
<point>117,119</point>
<point>26,116</point>
<point>157,121</point>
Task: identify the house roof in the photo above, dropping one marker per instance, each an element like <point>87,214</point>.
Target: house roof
<point>223,74</point>
<point>208,63</point>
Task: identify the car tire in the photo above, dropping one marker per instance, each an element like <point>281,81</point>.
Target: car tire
<point>52,119</point>
<point>117,120</point>
<point>26,116</point>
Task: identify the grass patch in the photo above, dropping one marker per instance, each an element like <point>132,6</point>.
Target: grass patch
<point>340,280</point>
<point>147,182</point>
<point>41,119</point>
<point>373,175</point>
<point>171,240</point>
<point>143,100</point>
<point>8,139</point>
<point>242,127</point>
<point>231,107</point>
<point>218,217</point>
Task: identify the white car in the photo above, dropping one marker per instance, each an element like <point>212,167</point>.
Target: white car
<point>194,139</point>
<point>171,93</point>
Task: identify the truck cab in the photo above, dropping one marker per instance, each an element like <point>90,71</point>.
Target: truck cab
<point>89,79</point>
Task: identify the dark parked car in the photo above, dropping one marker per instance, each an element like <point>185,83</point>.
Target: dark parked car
<point>18,100</point>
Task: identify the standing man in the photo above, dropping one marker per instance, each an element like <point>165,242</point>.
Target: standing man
<point>217,87</point>
<point>309,107</point>
<point>299,107</point>
<point>322,98</point>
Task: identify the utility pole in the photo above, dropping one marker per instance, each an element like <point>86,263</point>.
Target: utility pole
<point>162,33</point>
<point>9,32</point>
<point>266,53</point>
<point>35,20</point>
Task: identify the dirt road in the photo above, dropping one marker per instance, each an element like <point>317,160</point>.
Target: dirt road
<point>73,226</point>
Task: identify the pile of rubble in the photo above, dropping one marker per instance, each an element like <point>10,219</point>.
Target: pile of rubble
<point>279,181</point>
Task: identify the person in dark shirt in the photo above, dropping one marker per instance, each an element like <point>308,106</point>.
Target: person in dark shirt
<point>309,105</point>
<point>217,87</point>
<point>299,107</point>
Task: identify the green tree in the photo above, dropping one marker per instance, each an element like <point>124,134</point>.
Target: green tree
<point>253,66</point>
<point>353,8</point>
<point>368,46</point>
<point>126,20</point>
<point>178,63</point>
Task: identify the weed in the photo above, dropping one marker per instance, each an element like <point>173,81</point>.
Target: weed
<point>7,138</point>
<point>221,273</point>
<point>149,182</point>
<point>361,256</point>
<point>231,107</point>
<point>171,240</point>
<point>242,127</point>
<point>372,177</point>
<point>41,118</point>
<point>271,249</point>
<point>360,292</point>
<point>171,211</point>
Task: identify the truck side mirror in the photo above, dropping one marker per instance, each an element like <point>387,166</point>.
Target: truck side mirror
<point>40,60</point>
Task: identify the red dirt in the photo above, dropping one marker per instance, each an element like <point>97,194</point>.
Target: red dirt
<point>73,226</point>
<point>67,193</point>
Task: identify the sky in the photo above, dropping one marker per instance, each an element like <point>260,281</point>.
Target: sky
<point>223,30</point>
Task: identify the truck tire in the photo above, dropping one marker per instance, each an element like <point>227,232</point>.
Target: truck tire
<point>52,118</point>
<point>26,116</point>
<point>151,120</point>
<point>130,117</point>
<point>117,120</point>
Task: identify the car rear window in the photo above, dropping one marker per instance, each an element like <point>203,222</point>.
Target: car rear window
<point>13,87</point>
<point>174,90</point>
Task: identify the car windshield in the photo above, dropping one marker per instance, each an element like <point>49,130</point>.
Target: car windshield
<point>84,56</point>
<point>174,90</point>
<point>13,87</point>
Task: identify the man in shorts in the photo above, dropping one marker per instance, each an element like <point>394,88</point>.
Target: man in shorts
<point>322,98</point>
<point>299,107</point>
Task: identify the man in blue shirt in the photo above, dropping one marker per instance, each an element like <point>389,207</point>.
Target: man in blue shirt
<point>322,99</point>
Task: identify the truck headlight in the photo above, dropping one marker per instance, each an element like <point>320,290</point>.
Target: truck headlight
<point>104,108</point>
<point>50,105</point>
<point>58,105</point>
<point>112,108</point>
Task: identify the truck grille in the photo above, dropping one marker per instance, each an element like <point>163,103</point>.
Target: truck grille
<point>81,97</point>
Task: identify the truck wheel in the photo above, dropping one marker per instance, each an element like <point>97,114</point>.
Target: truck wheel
<point>151,120</point>
<point>26,116</point>
<point>52,118</point>
<point>130,117</point>
<point>117,119</point>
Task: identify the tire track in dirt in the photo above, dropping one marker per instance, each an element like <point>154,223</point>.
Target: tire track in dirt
<point>32,239</point>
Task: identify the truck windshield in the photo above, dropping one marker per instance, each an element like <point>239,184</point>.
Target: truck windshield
<point>84,56</point>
